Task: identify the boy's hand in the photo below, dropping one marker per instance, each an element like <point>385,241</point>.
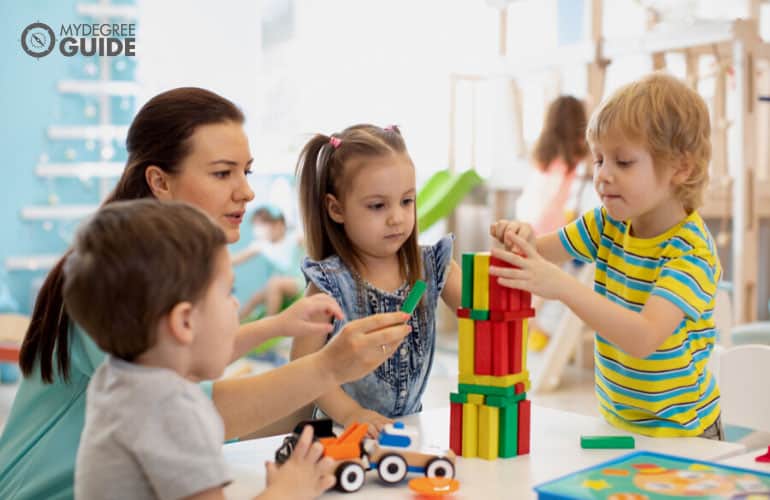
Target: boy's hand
<point>304,475</point>
<point>310,316</point>
<point>534,273</point>
<point>375,421</point>
<point>363,345</point>
<point>504,231</point>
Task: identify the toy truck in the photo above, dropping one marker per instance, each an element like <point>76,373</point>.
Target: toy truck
<point>393,454</point>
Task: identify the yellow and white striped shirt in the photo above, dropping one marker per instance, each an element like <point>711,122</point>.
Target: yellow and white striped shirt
<point>671,392</point>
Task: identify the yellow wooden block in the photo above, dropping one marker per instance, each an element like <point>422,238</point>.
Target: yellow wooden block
<point>476,399</point>
<point>465,345</point>
<point>470,430</point>
<point>524,340</point>
<point>481,281</point>
<point>504,381</point>
<point>489,432</point>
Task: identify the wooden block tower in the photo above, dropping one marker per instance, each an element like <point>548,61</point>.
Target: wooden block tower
<point>490,413</point>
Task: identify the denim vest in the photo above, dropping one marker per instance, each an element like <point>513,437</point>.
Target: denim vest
<point>394,388</point>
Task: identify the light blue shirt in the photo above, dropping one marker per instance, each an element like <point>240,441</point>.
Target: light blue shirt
<point>394,388</point>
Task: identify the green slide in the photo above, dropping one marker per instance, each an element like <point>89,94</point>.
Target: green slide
<point>441,194</point>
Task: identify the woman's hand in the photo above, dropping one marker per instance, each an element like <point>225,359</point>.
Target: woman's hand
<point>531,272</point>
<point>364,344</point>
<point>310,316</point>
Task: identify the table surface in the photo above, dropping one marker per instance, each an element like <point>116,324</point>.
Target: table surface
<point>747,460</point>
<point>555,451</point>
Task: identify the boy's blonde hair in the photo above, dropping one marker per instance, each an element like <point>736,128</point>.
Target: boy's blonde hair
<point>667,117</point>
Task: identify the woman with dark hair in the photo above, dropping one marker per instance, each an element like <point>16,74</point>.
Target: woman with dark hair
<point>186,144</point>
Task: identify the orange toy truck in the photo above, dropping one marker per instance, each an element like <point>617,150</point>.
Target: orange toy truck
<point>393,454</point>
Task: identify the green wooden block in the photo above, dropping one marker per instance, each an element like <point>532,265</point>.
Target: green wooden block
<point>509,431</point>
<point>479,315</point>
<point>504,401</point>
<point>466,300</point>
<point>607,442</point>
<point>455,397</point>
<point>414,297</point>
<point>487,390</point>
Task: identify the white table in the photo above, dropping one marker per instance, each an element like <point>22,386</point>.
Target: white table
<point>555,451</point>
<point>747,461</point>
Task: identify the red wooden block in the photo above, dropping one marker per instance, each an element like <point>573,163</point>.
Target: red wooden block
<point>519,388</point>
<point>498,294</point>
<point>514,299</point>
<point>456,428</point>
<point>515,343</point>
<point>525,411</point>
<point>463,312</point>
<point>482,361</point>
<point>526,300</point>
<point>500,348</point>
<point>511,315</point>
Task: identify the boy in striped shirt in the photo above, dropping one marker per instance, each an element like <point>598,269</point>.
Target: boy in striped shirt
<point>656,262</point>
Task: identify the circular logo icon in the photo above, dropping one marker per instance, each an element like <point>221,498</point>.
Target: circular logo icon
<point>38,40</point>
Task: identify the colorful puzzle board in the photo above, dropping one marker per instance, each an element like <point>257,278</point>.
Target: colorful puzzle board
<point>646,475</point>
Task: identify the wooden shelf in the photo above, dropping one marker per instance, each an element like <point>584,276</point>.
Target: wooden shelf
<point>82,170</point>
<point>31,262</point>
<point>99,87</point>
<point>57,212</point>
<point>127,12</point>
<point>111,132</point>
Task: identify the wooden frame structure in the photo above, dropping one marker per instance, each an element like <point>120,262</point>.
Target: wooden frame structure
<point>740,167</point>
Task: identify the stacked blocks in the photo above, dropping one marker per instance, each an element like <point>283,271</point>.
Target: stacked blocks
<point>490,413</point>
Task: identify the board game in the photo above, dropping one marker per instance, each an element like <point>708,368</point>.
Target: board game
<point>646,475</point>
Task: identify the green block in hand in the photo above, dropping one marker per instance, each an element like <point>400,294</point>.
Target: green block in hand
<point>414,297</point>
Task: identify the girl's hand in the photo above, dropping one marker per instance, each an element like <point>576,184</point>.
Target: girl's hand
<point>305,475</point>
<point>532,272</point>
<point>504,231</point>
<point>310,316</point>
<point>375,421</point>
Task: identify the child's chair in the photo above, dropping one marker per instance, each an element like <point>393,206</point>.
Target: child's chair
<point>12,330</point>
<point>743,372</point>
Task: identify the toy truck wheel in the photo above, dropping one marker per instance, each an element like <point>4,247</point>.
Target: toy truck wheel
<point>350,477</point>
<point>283,453</point>
<point>392,468</point>
<point>440,467</point>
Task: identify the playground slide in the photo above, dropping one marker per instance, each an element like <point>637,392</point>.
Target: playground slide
<point>441,194</point>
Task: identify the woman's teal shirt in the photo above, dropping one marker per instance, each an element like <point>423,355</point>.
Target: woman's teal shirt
<point>40,440</point>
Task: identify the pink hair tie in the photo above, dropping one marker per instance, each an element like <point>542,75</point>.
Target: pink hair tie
<point>390,128</point>
<point>335,142</point>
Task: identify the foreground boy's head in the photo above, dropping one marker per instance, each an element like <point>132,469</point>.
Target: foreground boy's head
<point>659,121</point>
<point>151,283</point>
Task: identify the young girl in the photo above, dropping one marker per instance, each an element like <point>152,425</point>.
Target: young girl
<point>357,197</point>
